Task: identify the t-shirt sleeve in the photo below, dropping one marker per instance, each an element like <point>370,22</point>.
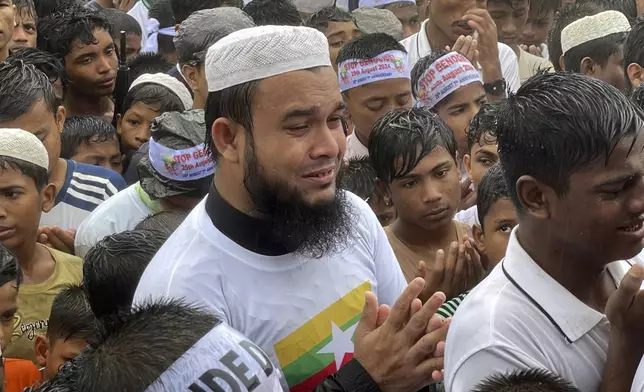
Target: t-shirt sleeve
<point>509,67</point>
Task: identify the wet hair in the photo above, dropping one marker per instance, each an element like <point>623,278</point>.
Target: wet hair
<point>63,381</point>
<point>135,351</point>
<point>634,48</point>
<point>164,222</point>
<point>149,63</point>
<point>566,16</point>
<point>359,178</point>
<point>320,20</point>
<point>121,21</point>
<point>533,380</point>
<point>58,31</point>
<point>182,9</point>
<point>482,125</point>
<point>27,169</point>
<point>9,268</point>
<point>46,62</point>
<point>491,189</point>
<point>84,130</point>
<point>420,67</point>
<point>541,8</point>
<point>153,94</point>
<point>626,7</point>
<point>114,266</point>
<point>599,50</point>
<point>162,11</point>
<point>48,7</point>
<point>547,132</point>
<point>26,7</point>
<point>403,137</point>
<point>637,95</point>
<point>273,12</point>
<point>21,86</point>
<point>71,316</point>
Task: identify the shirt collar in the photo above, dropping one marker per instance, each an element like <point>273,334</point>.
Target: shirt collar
<point>422,42</point>
<point>569,315</point>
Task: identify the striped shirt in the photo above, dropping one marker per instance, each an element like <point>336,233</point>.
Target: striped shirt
<point>449,308</point>
<point>85,187</point>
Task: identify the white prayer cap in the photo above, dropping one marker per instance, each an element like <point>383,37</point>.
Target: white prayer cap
<point>382,3</point>
<point>261,52</point>
<point>593,27</point>
<point>168,82</point>
<point>311,6</point>
<point>19,144</point>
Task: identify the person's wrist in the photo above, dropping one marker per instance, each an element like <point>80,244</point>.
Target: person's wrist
<point>627,343</point>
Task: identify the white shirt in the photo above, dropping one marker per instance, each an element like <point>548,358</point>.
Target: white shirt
<point>301,312</point>
<point>122,212</point>
<point>638,382</point>
<point>470,216</point>
<point>355,148</point>
<point>417,47</point>
<point>140,13</point>
<point>519,318</point>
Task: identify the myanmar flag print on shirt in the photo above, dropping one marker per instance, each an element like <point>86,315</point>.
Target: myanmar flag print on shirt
<point>320,347</point>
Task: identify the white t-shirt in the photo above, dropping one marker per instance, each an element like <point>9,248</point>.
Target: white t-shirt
<point>520,318</point>
<point>638,382</point>
<point>355,148</point>
<point>140,13</point>
<point>417,47</point>
<point>301,312</point>
<point>120,213</point>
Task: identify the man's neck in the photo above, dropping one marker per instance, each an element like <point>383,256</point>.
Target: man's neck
<point>198,103</point>
<point>361,139</point>
<point>436,38</point>
<point>236,195</point>
<point>81,105</point>
<point>516,50</point>
<point>35,261</point>
<point>419,238</point>
<point>105,3</point>
<point>58,174</point>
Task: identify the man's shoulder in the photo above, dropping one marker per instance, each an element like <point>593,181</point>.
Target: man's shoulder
<point>97,175</point>
<point>506,52</point>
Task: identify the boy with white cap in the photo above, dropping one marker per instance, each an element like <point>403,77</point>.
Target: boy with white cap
<point>405,10</point>
<point>594,45</point>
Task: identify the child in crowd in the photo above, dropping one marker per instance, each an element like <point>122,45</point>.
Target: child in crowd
<point>368,91</point>
<point>123,22</point>
<point>360,179</point>
<point>26,193</point>
<point>24,30</point>
<point>91,140</point>
<point>405,10</point>
<point>71,327</point>
<point>532,380</point>
<point>540,20</point>
<point>599,51</point>
<point>337,25</point>
<point>414,156</point>
<point>634,56</point>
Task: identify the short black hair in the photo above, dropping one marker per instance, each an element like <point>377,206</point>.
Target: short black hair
<point>599,50</point>
<point>39,174</point>
<point>154,94</point>
<point>26,7</point>
<point>359,177</point>
<point>564,17</point>
<point>634,47</point>
<point>403,137</point>
<point>547,132</point>
<point>626,7</point>
<point>149,63</point>
<point>58,31</point>
<point>9,268</point>
<point>491,189</point>
<point>135,351</point>
<point>122,21</point>
<point>164,222</point>
<point>84,129</point>
<point>46,62</point>
<point>71,316</point>
<point>483,124</point>
<point>541,8</point>
<point>182,9</point>
<point>21,86</point>
<point>114,266</point>
<point>273,12</point>
<point>368,46</point>
<point>48,7</point>
<point>161,10</point>
<point>320,20</point>
<point>637,95</point>
<point>533,380</point>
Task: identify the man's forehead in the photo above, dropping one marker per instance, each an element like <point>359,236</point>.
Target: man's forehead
<point>81,47</point>
<point>300,88</point>
<point>338,27</point>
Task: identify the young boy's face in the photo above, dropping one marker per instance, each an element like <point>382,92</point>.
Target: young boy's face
<point>385,211</point>
<point>24,32</point>
<point>339,34</point>
<point>458,110</point>
<point>8,310</point>
<point>537,27</point>
<point>132,45</point>
<point>366,104</point>
<point>91,69</point>
<point>409,16</point>
<point>57,354</point>
<point>613,72</point>
<point>481,157</point>
<point>134,126</point>
<point>495,234</point>
<point>106,154</point>
<point>428,196</point>
<point>510,17</point>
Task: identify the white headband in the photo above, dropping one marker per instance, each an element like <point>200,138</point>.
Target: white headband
<point>446,75</point>
<point>168,82</point>
<point>222,360</point>
<point>20,144</point>
<point>380,3</point>
<point>151,43</point>
<point>181,165</point>
<point>392,64</point>
<point>593,27</point>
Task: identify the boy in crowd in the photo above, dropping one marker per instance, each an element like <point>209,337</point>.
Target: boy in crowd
<point>594,46</point>
<point>371,94</point>
<point>26,193</point>
<point>533,380</point>
<point>147,63</point>
<point>27,101</point>
<point>510,17</point>
<point>634,56</point>
<point>376,20</point>
<point>82,40</point>
<point>414,155</point>
<point>121,21</point>
<point>405,10</point>
<point>338,26</point>
<point>540,20</point>
<point>175,175</point>
<point>273,12</point>
<point>46,63</point>
<point>24,30</point>
<point>91,140</point>
<point>71,327</point>
<point>360,179</point>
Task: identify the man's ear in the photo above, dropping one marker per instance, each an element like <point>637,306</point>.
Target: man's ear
<point>61,115</point>
<point>479,237</point>
<point>227,137</point>
<point>191,76</point>
<point>588,67</point>
<point>41,346</point>
<point>534,197</point>
<point>467,161</point>
<point>635,74</point>
<point>119,118</point>
<point>48,197</point>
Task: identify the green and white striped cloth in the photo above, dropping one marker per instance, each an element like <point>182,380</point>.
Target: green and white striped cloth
<point>449,308</point>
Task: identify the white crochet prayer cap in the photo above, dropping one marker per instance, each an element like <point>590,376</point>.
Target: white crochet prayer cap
<point>381,3</point>
<point>19,144</point>
<point>168,82</point>
<point>593,27</point>
<point>261,52</point>
<point>311,6</point>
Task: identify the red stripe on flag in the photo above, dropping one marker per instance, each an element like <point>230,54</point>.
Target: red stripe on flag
<point>312,382</point>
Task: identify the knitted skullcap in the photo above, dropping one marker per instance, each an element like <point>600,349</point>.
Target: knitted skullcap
<point>168,82</point>
<point>19,144</point>
<point>593,27</point>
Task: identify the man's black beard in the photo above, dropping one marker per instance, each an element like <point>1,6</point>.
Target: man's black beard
<point>312,231</point>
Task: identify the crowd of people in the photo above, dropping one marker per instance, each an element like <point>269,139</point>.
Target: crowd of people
<point>321,195</point>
